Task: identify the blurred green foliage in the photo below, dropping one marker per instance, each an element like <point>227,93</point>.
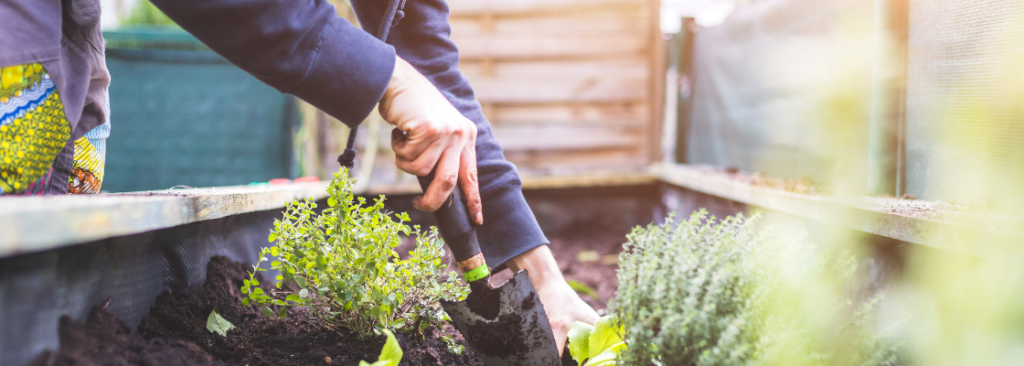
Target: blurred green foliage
<point>710,292</point>
<point>147,14</point>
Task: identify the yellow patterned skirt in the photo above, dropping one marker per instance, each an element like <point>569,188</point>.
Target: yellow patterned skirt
<point>34,130</point>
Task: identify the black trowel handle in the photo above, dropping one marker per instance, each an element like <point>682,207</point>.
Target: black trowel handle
<point>458,232</point>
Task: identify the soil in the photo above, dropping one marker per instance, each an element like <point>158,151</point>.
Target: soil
<point>299,339</point>
<point>175,334</point>
<point>105,340</point>
<point>603,237</point>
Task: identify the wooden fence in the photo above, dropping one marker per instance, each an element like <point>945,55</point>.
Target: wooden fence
<point>572,88</point>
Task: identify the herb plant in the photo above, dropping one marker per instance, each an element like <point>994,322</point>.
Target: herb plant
<point>341,264</point>
<point>709,292</point>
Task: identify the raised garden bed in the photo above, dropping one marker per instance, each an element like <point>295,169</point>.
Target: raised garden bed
<point>175,333</point>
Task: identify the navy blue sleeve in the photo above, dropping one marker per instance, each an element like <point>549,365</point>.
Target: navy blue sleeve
<point>421,37</point>
<point>298,47</point>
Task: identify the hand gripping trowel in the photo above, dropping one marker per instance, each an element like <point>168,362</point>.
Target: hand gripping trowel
<point>504,326</point>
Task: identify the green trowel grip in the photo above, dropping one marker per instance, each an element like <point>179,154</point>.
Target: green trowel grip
<point>477,273</point>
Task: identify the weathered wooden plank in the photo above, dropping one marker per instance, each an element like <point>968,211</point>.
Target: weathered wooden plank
<point>558,81</point>
<point>556,46</point>
<point>566,137</point>
<point>30,224</point>
<point>919,222</point>
<point>634,67</point>
<point>551,90</point>
<point>477,7</point>
<point>585,26</point>
<point>578,162</point>
<point>624,114</point>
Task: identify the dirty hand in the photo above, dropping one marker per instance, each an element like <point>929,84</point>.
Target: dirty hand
<point>429,132</point>
<point>561,303</point>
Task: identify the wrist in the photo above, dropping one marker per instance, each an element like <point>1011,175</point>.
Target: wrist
<point>400,79</point>
<point>541,265</point>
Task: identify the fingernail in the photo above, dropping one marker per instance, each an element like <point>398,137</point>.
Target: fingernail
<point>479,218</point>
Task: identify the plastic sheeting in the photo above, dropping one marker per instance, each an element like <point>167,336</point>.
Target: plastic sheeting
<point>783,87</point>
<point>36,289</point>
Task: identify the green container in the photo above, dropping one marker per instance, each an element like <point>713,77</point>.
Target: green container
<point>183,115</point>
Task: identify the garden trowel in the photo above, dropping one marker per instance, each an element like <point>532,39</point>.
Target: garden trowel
<point>504,325</point>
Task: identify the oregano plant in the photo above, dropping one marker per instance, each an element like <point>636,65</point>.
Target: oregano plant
<point>342,265</point>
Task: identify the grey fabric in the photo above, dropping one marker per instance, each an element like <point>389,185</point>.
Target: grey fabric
<point>965,101</point>
<point>63,36</point>
<point>782,87</point>
<point>36,289</point>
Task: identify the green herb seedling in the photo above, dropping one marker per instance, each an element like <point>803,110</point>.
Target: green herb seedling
<point>341,265</point>
<point>217,324</point>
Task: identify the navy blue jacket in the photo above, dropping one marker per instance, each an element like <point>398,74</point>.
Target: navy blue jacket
<point>304,49</point>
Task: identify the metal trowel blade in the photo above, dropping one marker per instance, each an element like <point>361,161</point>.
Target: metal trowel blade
<point>505,326</point>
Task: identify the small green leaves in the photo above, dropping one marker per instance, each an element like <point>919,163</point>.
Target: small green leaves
<point>341,264</point>
<point>217,324</point>
<point>272,237</point>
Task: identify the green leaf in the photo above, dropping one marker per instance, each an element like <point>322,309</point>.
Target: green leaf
<point>579,341</point>
<point>607,357</point>
<point>292,297</point>
<point>303,293</point>
<point>272,237</point>
<point>583,289</point>
<point>266,311</point>
<point>217,324</point>
<point>605,342</point>
<point>282,313</point>
<point>392,352</point>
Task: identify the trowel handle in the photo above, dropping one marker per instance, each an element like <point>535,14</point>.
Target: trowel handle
<point>458,232</point>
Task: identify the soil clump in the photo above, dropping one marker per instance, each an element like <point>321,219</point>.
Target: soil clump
<point>105,340</point>
<point>298,339</point>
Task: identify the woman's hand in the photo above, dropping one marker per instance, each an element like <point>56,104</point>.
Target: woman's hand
<point>429,132</point>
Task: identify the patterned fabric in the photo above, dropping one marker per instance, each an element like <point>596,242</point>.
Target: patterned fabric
<point>90,155</point>
<point>33,128</point>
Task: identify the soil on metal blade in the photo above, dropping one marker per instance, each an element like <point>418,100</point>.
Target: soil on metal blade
<point>105,340</point>
<point>484,300</point>
<point>505,337</point>
<point>299,339</point>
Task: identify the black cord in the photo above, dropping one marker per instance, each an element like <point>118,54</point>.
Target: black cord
<point>395,13</point>
<point>348,158</point>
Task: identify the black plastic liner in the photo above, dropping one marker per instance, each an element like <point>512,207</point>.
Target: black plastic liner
<point>37,288</point>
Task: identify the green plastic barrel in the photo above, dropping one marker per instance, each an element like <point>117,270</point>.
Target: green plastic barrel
<point>183,115</point>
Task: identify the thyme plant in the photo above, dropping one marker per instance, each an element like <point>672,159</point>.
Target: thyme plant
<point>341,264</point>
<point>710,292</point>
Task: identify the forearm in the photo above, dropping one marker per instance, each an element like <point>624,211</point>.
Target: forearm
<point>421,38</point>
<point>298,47</point>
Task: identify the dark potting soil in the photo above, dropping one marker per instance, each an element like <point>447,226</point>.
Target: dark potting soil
<point>299,339</point>
<point>105,340</point>
<point>485,300</point>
